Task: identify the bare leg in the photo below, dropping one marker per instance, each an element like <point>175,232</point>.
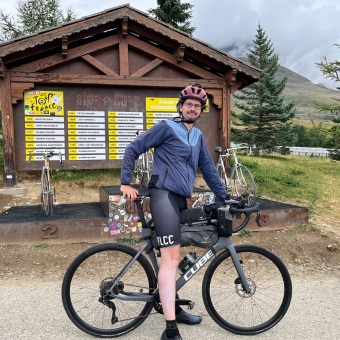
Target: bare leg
<point>167,280</point>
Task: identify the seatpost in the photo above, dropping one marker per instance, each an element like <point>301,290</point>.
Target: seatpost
<point>138,202</point>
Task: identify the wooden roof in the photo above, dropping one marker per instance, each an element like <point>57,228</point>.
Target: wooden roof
<point>26,51</point>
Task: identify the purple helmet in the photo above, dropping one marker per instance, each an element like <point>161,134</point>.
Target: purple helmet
<point>194,91</point>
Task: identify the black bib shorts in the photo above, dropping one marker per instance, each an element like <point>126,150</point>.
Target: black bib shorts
<point>165,209</point>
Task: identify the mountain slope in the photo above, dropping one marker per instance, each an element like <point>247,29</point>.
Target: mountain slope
<point>304,92</point>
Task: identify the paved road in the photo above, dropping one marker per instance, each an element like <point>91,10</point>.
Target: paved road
<point>34,311</point>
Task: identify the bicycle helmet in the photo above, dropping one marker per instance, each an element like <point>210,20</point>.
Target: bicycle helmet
<point>194,91</point>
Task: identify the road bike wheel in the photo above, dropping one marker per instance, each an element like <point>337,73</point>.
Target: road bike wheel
<point>139,171</point>
<point>235,310</point>
<point>45,193</point>
<point>90,275</point>
<point>221,173</point>
<point>243,184</point>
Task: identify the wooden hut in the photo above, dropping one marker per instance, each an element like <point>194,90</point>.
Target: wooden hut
<point>86,86</point>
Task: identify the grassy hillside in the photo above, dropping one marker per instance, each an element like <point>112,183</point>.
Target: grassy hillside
<point>304,92</point>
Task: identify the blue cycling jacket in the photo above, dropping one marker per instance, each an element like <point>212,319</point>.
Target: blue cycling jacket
<point>178,153</point>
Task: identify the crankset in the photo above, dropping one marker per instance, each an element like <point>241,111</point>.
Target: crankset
<point>178,302</point>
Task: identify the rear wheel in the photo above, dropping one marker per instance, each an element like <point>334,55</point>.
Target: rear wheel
<point>91,275</point>
<point>45,193</point>
<point>247,313</point>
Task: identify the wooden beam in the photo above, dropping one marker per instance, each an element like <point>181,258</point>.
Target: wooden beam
<point>125,26</point>
<point>17,91</point>
<point>57,59</point>
<point>64,46</point>
<point>98,65</point>
<point>179,53</point>
<point>61,78</point>
<point>171,59</point>
<point>147,68</point>
<point>9,175</point>
<point>231,77</point>
<point>217,96</point>
<point>2,69</point>
<point>123,49</point>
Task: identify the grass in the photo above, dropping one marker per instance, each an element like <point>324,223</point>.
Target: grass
<point>312,182</point>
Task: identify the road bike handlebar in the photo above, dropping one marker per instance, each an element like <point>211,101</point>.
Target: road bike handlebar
<point>46,153</point>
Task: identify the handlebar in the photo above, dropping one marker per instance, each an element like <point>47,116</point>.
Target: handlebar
<point>46,154</point>
<point>239,207</point>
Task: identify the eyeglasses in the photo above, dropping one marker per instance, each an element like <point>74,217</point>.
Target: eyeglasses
<point>190,105</point>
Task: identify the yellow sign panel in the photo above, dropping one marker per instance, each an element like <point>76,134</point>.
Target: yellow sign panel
<point>165,104</point>
<point>44,103</point>
<point>161,104</point>
<point>114,157</point>
<point>73,158</point>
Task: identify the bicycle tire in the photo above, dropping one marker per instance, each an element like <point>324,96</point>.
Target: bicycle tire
<point>139,171</point>
<point>221,173</point>
<point>233,309</point>
<point>45,193</point>
<point>243,184</point>
<point>91,274</point>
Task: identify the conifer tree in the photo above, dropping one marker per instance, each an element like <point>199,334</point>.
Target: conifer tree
<point>263,122</point>
<point>174,13</point>
<point>32,16</point>
<point>332,70</point>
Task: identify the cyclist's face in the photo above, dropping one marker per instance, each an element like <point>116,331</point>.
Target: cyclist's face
<point>191,108</point>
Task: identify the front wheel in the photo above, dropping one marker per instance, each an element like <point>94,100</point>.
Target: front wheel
<point>235,310</point>
<point>243,184</point>
<point>90,276</point>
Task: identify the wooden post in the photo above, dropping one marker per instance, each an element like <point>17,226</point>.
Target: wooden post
<point>9,175</point>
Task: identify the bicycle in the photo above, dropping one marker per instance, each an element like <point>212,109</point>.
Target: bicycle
<point>111,288</point>
<point>48,194</point>
<point>240,182</point>
<point>143,166</point>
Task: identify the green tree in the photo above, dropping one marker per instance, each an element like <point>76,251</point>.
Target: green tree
<point>174,13</point>
<point>264,118</point>
<point>32,16</point>
<point>331,70</point>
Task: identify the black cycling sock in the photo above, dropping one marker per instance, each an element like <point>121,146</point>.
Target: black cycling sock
<point>171,329</point>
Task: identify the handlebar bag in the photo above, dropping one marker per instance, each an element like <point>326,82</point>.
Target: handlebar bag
<point>225,223</point>
<point>201,235</point>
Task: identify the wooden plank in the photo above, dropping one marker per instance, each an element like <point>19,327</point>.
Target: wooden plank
<point>147,68</point>
<point>98,65</point>
<point>21,86</point>
<point>217,96</point>
<point>226,118</point>
<point>7,128</point>
<point>2,69</point>
<point>171,59</point>
<point>123,54</point>
<point>57,59</point>
<point>50,78</point>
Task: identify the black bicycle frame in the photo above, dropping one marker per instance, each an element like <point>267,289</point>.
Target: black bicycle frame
<point>222,243</point>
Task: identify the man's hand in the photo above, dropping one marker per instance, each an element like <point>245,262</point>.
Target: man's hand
<point>129,192</point>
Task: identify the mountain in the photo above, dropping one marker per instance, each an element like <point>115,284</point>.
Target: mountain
<point>304,92</point>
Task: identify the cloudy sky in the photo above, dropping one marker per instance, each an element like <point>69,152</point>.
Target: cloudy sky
<point>302,31</point>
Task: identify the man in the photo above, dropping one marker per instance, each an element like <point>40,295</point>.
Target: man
<point>179,149</point>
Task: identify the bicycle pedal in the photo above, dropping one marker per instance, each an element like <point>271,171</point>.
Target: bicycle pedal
<point>191,305</point>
